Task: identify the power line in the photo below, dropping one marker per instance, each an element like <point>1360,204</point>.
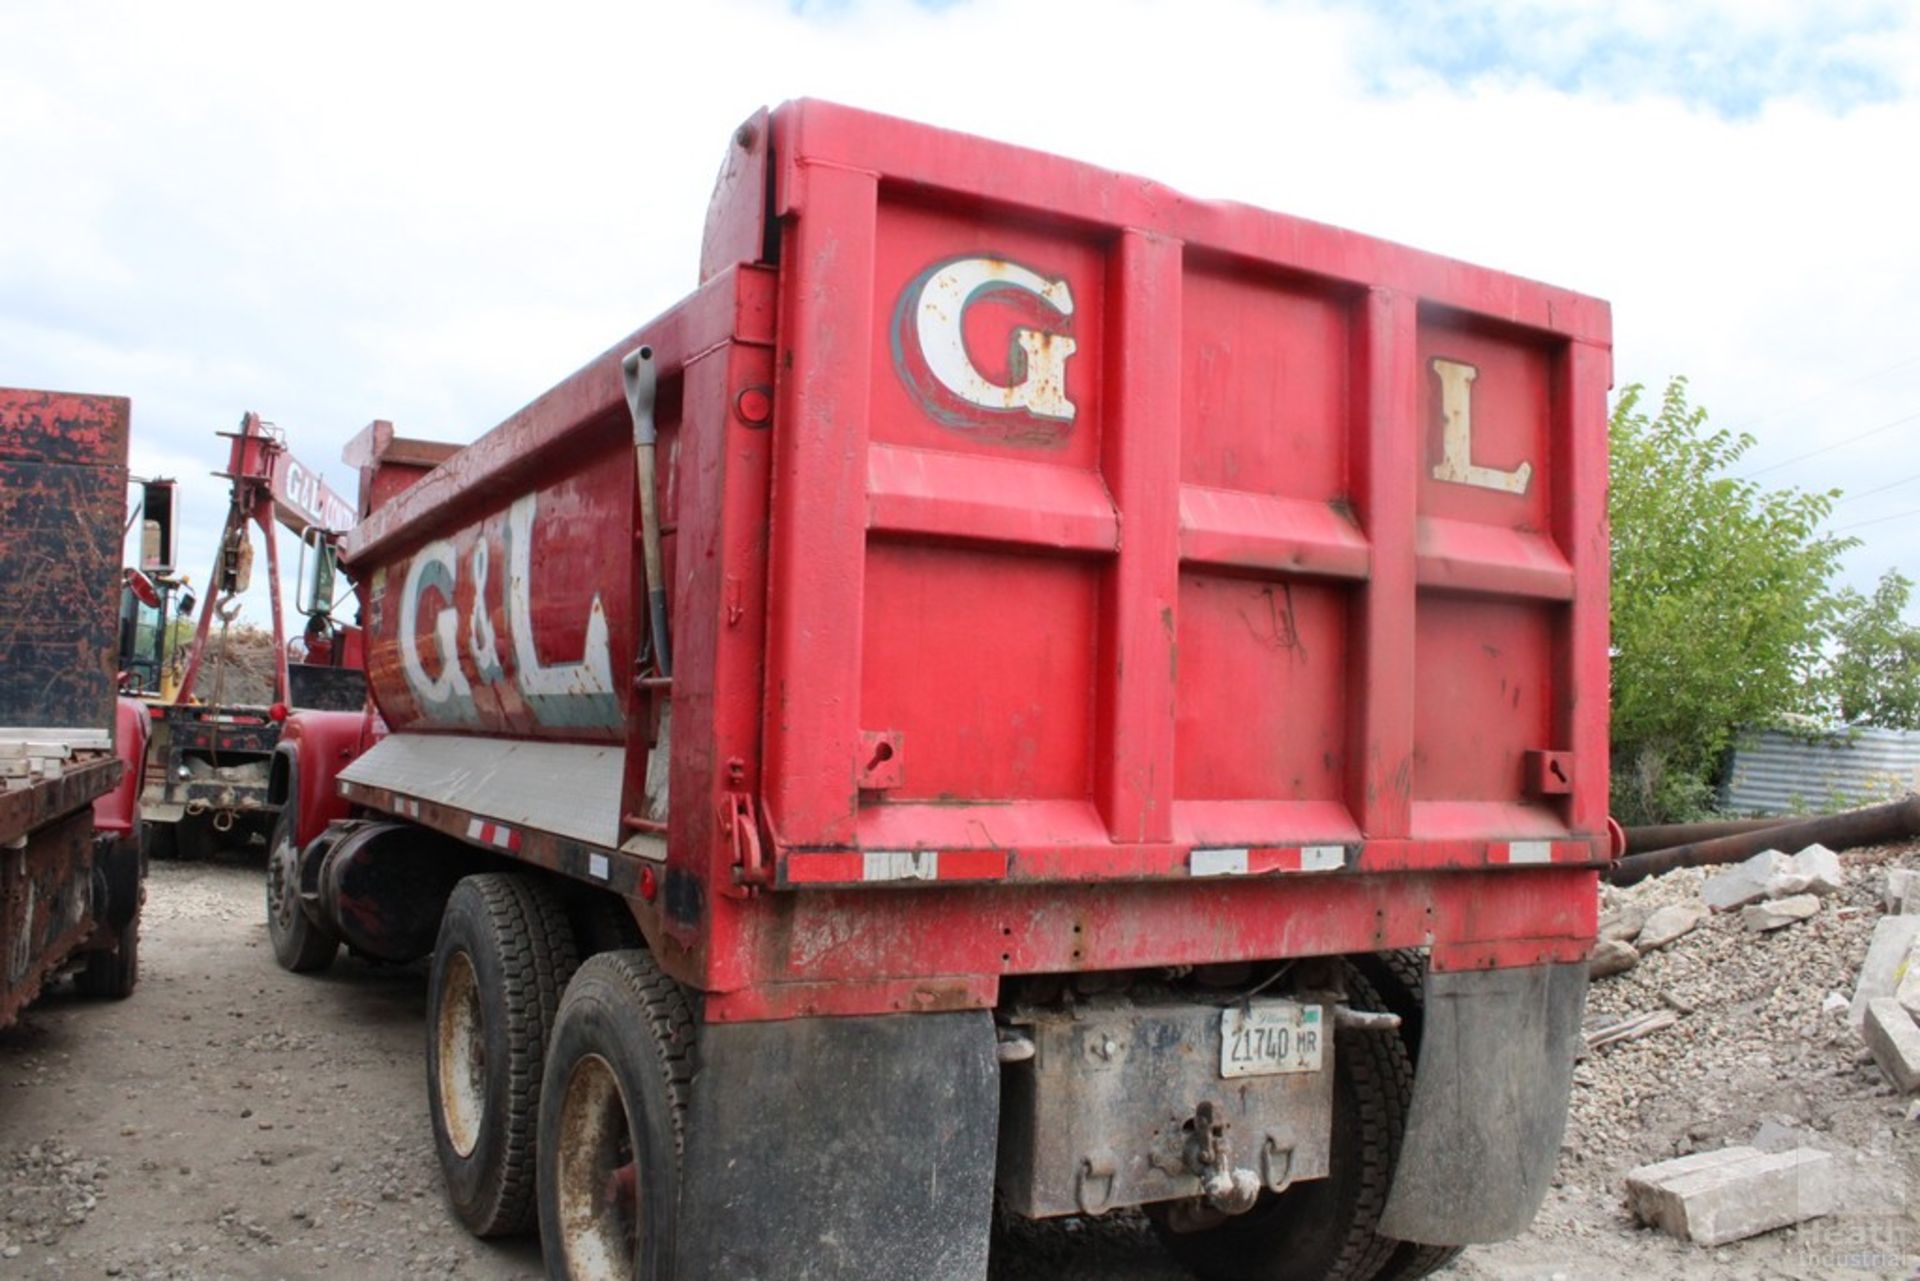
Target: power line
<point>1879,489</point>
<point>1838,387</point>
<point>1862,524</point>
<point>1812,453</point>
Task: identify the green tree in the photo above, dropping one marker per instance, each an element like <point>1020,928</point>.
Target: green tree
<point>1721,601</point>
<point>1874,676</point>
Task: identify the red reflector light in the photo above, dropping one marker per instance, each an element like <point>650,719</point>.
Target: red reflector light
<point>277,713</point>
<point>649,887</point>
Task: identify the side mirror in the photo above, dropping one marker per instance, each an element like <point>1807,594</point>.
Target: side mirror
<point>156,527</point>
<point>318,570</point>
<point>185,606</point>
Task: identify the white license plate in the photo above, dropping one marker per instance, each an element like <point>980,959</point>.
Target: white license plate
<point>1269,1038</point>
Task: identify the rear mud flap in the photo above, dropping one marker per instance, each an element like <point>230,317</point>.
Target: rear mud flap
<point>1489,1103</point>
<point>856,1149</point>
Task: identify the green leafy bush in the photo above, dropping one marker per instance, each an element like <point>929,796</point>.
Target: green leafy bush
<point>1721,602</point>
<point>1873,677</point>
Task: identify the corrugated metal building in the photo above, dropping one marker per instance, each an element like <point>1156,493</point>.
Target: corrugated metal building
<point>1779,773</point>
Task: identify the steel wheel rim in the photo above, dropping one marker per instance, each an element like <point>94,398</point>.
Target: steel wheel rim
<point>598,1185</point>
<point>282,899</point>
<point>462,1057</point>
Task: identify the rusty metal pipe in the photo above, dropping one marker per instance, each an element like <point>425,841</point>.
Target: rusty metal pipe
<point>1870,826</point>
<point>1664,836</point>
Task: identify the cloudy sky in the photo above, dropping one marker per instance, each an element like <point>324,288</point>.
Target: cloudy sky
<point>431,215</point>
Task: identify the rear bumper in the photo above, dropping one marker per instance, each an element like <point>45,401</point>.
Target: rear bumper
<point>948,947</point>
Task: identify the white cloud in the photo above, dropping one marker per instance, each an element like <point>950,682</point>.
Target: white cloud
<point>432,213</point>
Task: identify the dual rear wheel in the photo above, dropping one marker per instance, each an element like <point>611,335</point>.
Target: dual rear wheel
<point>614,1102</point>
<point>557,1088</point>
<point>503,958</point>
<point>558,1094</point>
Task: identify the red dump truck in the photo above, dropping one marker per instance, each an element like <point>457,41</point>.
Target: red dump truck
<point>70,751</point>
<point>1025,694</point>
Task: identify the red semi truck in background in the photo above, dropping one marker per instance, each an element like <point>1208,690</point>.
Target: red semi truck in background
<point>1025,693</point>
<point>70,751</point>
<point>209,775</point>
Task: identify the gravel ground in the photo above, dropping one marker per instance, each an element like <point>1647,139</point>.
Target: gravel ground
<point>1753,1058</point>
<point>229,1120</point>
<point>234,1121</point>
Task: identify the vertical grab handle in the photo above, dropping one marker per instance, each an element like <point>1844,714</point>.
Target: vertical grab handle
<point>638,372</point>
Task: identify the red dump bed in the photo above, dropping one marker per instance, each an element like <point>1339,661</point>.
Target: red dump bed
<point>1064,573</point>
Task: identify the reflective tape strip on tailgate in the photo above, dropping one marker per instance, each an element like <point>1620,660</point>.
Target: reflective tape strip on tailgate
<point>1244,860</point>
<point>870,867</point>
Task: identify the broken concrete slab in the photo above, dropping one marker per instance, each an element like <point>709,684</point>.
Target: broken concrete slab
<point>1711,1198</point>
<point>1907,991</point>
<point>1610,957</point>
<point>1886,964</point>
<point>1902,894</point>
<point>1894,1038</point>
<point>1668,924</point>
<point>1624,922</point>
<point>1744,883</point>
<point>1814,870</point>
<point>1773,914</point>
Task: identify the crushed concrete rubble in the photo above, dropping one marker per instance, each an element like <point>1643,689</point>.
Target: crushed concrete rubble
<point>1774,914</point>
<point>1667,925</point>
<point>1771,874</point>
<point>1623,924</point>
<point>1743,883</point>
<point>1610,957</point>
<point>1771,891</point>
<point>1731,1055</point>
<point>50,1190</point>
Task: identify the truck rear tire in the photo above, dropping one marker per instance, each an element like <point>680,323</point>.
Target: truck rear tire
<point>1400,978</point>
<point>503,958</point>
<point>615,1101</point>
<point>300,944</point>
<point>111,974</point>
<point>1323,1229</point>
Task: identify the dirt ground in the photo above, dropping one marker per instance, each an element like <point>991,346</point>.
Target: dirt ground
<point>234,1121</point>
<point>229,1120</point>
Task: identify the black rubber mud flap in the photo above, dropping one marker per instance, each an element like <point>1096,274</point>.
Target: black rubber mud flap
<point>1489,1103</point>
<point>851,1149</point>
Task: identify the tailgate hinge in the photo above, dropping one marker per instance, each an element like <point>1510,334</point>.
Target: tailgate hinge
<point>750,868</point>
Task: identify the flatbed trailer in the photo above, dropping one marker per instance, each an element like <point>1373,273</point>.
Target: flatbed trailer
<point>70,752</point>
<point>1024,690</point>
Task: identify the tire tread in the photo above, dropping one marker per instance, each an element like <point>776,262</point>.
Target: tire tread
<point>1406,969</point>
<point>111,974</point>
<point>308,947</point>
<point>670,1023</point>
<point>527,926</point>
